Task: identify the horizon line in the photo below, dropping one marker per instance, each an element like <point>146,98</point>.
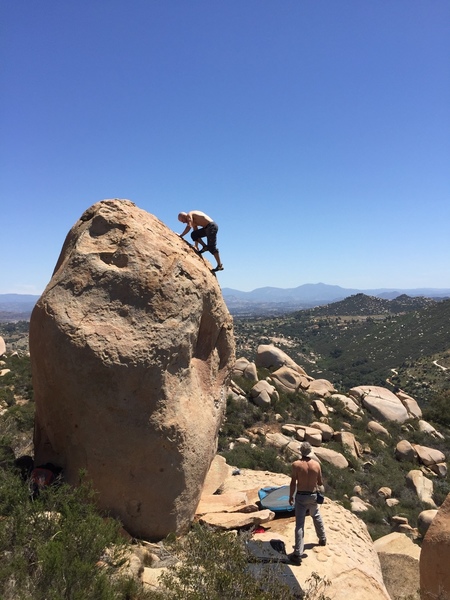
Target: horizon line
<point>385,288</point>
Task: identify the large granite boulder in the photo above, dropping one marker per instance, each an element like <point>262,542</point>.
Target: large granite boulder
<point>348,403</point>
<point>288,380</point>
<point>435,556</point>
<point>404,451</point>
<point>131,348</point>
<point>331,456</point>
<point>349,443</point>
<point>410,404</point>
<point>426,427</point>
<point>321,387</point>
<point>278,440</point>
<point>271,357</point>
<point>429,456</point>
<point>319,408</point>
<point>377,428</point>
<point>326,430</point>
<point>423,487</point>
<point>425,519</point>
<point>312,435</point>
<point>236,520</point>
<point>218,472</point>
<point>399,559</point>
<point>263,393</point>
<point>381,403</point>
<point>245,368</point>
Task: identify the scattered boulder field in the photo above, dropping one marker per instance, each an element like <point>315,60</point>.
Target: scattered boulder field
<point>378,404</point>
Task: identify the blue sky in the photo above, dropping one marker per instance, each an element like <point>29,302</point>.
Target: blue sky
<point>315,132</point>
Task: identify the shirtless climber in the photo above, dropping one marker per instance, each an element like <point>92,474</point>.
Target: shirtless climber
<point>203,226</point>
<point>306,478</point>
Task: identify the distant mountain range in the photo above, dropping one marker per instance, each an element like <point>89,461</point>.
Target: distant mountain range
<point>363,305</point>
<point>265,300</point>
<point>16,307</point>
<point>268,300</point>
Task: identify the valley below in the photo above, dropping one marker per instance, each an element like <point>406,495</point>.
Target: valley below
<point>400,343</point>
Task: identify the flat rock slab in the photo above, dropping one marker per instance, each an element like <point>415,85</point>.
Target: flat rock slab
<point>232,502</point>
<point>249,481</point>
<point>237,520</point>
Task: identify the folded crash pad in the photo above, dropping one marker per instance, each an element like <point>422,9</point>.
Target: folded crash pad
<point>275,499</point>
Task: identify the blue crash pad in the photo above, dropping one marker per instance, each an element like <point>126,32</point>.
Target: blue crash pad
<point>275,499</point>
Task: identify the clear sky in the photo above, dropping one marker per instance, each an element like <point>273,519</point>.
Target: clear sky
<point>315,132</point>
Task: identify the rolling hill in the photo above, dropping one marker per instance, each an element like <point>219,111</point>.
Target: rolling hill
<point>363,340</point>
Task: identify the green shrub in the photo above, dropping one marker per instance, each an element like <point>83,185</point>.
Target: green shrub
<point>378,530</point>
<point>215,566</point>
<point>387,471</point>
<point>238,417</point>
<point>294,407</point>
<point>50,547</point>
<point>441,490</point>
<point>18,379</point>
<point>244,383</point>
<point>22,416</point>
<point>258,458</point>
<point>438,409</point>
<point>373,515</point>
<point>338,482</point>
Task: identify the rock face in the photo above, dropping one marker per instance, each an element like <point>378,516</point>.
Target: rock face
<point>131,348</point>
<point>435,556</point>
